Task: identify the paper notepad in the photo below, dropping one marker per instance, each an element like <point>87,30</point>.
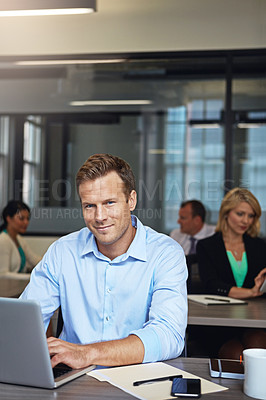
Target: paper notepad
<point>212,299</point>
<point>123,378</point>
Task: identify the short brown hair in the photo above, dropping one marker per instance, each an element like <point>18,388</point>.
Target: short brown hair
<point>230,201</point>
<point>197,208</point>
<point>99,165</point>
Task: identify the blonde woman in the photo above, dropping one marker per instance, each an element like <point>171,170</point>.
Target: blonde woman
<point>232,262</point>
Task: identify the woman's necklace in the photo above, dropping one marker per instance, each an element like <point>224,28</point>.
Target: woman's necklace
<point>236,248</point>
<point>236,253</point>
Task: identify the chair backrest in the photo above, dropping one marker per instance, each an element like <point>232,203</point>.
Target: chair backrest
<point>194,284</point>
<point>60,322</point>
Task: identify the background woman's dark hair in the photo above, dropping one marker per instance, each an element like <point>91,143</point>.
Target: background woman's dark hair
<point>12,208</point>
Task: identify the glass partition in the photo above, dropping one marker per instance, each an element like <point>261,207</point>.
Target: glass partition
<point>249,128</point>
<point>165,114</point>
<point>5,150</point>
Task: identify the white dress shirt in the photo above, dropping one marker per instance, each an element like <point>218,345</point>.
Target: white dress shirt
<point>184,239</point>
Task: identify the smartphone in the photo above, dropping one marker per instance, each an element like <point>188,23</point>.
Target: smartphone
<point>263,286</point>
<point>220,368</point>
<point>186,387</point>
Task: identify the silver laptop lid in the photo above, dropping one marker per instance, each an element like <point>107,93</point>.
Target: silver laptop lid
<point>24,355</point>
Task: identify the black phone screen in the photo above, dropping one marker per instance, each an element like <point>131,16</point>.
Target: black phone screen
<point>186,387</point>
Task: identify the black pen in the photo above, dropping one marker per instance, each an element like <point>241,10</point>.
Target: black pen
<point>215,299</point>
<point>164,378</point>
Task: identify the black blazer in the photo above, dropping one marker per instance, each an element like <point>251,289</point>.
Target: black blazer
<point>214,267</point>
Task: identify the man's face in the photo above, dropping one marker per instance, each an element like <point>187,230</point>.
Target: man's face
<point>186,221</point>
<point>106,210</point>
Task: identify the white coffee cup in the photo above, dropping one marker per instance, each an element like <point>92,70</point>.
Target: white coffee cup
<point>255,373</point>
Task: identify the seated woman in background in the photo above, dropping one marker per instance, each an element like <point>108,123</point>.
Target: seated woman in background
<point>232,262</point>
<point>15,254</point>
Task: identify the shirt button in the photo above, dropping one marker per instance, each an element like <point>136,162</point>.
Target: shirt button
<point>108,290</point>
<point>107,318</point>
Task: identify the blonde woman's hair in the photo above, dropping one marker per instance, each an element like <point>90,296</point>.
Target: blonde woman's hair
<point>230,201</point>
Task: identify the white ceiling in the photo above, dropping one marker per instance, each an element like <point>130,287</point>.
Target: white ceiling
<point>140,26</point>
<point>127,26</point>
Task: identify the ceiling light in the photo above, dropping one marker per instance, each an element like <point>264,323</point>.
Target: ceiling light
<point>205,126</point>
<point>13,8</point>
<point>164,151</point>
<point>246,125</point>
<point>109,102</point>
<point>68,62</point>
<point>205,123</point>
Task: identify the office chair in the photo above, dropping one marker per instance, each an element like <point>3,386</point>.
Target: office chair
<point>60,322</point>
<point>194,284</point>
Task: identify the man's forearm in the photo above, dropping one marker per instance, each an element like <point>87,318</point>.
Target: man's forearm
<point>111,353</point>
<point>117,352</point>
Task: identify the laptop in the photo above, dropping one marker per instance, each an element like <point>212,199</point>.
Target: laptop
<point>24,355</point>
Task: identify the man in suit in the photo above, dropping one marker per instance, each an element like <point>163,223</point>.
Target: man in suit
<point>192,226</point>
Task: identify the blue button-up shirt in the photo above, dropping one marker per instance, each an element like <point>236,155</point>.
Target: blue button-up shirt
<point>141,292</point>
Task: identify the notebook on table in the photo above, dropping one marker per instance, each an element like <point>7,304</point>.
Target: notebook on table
<point>211,299</point>
<point>24,355</point>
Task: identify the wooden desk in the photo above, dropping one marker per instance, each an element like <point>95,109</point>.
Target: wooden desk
<point>11,287</point>
<point>89,388</point>
<point>251,315</point>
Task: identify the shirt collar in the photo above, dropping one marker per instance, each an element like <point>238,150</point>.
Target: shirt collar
<point>200,234</point>
<point>137,249</point>
<point>91,246</point>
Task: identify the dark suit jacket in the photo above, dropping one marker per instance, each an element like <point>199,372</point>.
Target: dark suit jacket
<point>214,267</point>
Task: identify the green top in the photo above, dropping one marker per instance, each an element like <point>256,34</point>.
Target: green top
<point>23,259</point>
<point>239,268</point>
<point>22,256</point>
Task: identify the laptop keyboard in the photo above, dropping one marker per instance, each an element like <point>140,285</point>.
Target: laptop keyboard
<point>60,370</point>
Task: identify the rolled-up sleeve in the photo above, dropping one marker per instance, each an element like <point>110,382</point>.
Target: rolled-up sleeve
<point>164,332</point>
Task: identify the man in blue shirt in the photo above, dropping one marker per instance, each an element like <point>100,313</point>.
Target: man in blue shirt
<point>121,286</point>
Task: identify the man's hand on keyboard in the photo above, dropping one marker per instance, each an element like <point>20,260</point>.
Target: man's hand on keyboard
<point>73,355</point>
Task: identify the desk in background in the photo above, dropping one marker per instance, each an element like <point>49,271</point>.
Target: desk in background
<point>85,388</point>
<point>251,315</point>
<point>12,287</point>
